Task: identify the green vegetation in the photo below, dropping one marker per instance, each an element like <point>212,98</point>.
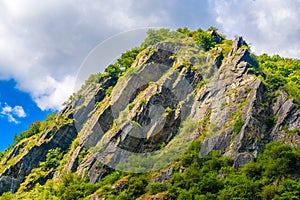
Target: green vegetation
<point>169,110</point>
<point>226,46</point>
<point>281,73</point>
<point>156,36</point>
<point>94,78</point>
<point>127,58</point>
<point>54,120</point>
<point>275,174</point>
<point>223,105</point>
<point>131,105</point>
<point>53,158</point>
<point>36,127</point>
<point>109,90</point>
<point>167,153</point>
<point>204,39</point>
<point>200,84</point>
<point>114,70</point>
<point>238,125</point>
<point>142,101</point>
<point>45,170</point>
<point>156,187</point>
<point>201,37</point>
<point>213,128</point>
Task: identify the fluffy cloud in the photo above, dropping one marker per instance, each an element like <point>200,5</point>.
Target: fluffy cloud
<point>43,43</point>
<point>270,26</point>
<point>11,113</point>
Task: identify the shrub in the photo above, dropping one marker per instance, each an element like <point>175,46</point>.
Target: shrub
<point>156,187</point>
<point>238,125</point>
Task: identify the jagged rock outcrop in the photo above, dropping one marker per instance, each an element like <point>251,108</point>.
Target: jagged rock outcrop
<point>14,174</point>
<point>170,83</point>
<point>245,123</point>
<point>287,121</point>
<point>155,114</point>
<point>237,43</point>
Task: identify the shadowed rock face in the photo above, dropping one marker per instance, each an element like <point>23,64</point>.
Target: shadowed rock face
<point>247,99</point>
<point>233,109</point>
<point>14,175</point>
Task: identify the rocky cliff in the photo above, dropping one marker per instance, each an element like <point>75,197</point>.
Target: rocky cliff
<point>174,92</point>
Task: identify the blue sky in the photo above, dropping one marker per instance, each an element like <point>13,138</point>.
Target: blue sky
<point>44,43</point>
<point>17,111</point>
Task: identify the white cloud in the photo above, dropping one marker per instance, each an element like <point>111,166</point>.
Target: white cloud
<point>19,111</point>
<point>11,113</point>
<point>271,26</point>
<point>43,43</point>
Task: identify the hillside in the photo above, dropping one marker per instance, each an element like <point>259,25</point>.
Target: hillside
<point>187,115</point>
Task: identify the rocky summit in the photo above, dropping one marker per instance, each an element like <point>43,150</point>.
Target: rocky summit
<point>146,114</point>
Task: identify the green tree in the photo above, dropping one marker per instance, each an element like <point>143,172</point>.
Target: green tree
<point>53,158</point>
<point>113,70</point>
<point>33,129</point>
<point>204,39</point>
<point>127,58</point>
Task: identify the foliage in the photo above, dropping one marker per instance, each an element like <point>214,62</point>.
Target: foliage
<point>191,155</point>
<point>156,36</point>
<point>127,58</point>
<point>169,110</point>
<point>83,152</point>
<point>33,129</point>
<point>156,187</point>
<point>69,187</point>
<point>93,78</point>
<point>204,39</point>
<point>113,70</point>
<point>53,158</point>
<point>238,125</point>
<point>211,177</point>
<point>223,105</point>
<point>45,170</point>
<point>273,175</point>
<point>109,90</point>
<point>281,73</point>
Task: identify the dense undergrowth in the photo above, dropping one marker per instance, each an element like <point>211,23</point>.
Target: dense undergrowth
<point>275,174</point>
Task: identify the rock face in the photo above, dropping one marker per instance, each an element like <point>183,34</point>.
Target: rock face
<point>247,122</point>
<point>169,85</point>
<point>14,175</point>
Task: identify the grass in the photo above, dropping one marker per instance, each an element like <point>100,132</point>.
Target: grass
<point>223,105</point>
<point>142,102</point>
<point>169,110</point>
<point>200,84</point>
<point>238,125</point>
<point>131,105</point>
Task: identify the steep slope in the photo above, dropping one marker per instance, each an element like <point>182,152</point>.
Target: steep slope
<point>174,92</point>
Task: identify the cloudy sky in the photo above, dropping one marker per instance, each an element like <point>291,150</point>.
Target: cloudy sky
<point>44,43</point>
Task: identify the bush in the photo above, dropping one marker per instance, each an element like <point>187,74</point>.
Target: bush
<point>204,39</point>
<point>281,73</point>
<point>53,158</point>
<point>156,187</point>
<point>238,125</point>
<point>33,129</point>
<point>113,70</point>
